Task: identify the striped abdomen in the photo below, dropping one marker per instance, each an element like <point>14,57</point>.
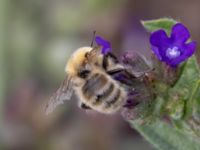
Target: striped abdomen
<point>102,93</point>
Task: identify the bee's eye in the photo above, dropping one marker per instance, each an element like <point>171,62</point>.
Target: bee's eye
<point>83,73</point>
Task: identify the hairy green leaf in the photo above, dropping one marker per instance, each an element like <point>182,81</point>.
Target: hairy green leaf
<point>164,137</point>
<point>184,100</point>
<point>184,89</point>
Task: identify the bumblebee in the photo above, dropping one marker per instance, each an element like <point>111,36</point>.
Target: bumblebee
<point>89,76</point>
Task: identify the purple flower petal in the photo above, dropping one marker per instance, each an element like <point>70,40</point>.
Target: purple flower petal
<point>190,49</point>
<point>159,54</point>
<point>160,43</point>
<point>106,47</point>
<point>180,33</point>
<point>159,38</point>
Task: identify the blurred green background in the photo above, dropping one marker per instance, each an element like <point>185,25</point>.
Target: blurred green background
<point>36,39</point>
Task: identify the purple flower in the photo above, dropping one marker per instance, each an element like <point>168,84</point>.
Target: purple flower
<point>174,49</point>
<point>106,47</point>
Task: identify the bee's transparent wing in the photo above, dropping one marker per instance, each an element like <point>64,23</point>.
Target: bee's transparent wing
<point>136,64</point>
<point>63,93</point>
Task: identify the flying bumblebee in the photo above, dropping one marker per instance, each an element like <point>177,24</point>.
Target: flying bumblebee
<point>89,76</point>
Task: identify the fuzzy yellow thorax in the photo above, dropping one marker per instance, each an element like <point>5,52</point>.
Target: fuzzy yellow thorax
<point>76,60</point>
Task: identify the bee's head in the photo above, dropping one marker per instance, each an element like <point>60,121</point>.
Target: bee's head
<point>76,61</point>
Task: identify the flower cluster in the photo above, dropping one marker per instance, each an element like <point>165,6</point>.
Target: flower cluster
<point>136,78</point>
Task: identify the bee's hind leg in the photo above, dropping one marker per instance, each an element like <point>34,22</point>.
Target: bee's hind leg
<point>83,106</point>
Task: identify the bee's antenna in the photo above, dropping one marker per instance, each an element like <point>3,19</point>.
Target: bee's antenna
<point>93,37</point>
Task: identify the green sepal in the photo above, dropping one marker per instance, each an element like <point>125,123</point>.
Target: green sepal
<point>156,24</point>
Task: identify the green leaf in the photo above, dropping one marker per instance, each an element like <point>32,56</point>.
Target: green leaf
<point>185,86</point>
<point>163,23</point>
<point>164,137</point>
<point>190,74</point>
<point>195,102</point>
<point>184,100</point>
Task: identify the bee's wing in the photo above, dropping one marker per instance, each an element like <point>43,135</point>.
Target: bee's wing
<point>136,64</point>
<point>64,92</point>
